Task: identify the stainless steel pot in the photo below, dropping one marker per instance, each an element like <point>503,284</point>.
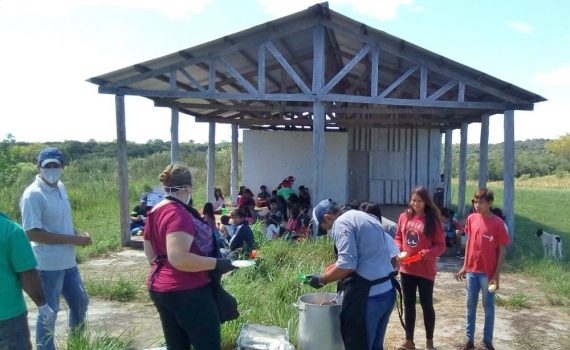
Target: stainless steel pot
<point>319,325</point>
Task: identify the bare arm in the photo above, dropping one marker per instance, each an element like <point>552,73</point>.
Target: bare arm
<point>500,260</point>
<point>30,281</point>
<point>178,252</point>
<point>41,236</point>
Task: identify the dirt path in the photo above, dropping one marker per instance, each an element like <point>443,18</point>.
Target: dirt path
<point>539,326</point>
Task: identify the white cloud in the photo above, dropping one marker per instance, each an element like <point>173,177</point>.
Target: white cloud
<point>559,77</point>
<point>381,9</point>
<point>520,26</point>
<point>178,9</point>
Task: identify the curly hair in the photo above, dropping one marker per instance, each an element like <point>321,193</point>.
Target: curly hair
<point>175,175</point>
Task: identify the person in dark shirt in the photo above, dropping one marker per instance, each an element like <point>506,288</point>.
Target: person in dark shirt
<point>138,216</point>
<point>262,197</point>
<point>242,238</point>
<point>304,198</point>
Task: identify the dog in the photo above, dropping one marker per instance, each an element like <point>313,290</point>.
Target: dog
<point>550,243</point>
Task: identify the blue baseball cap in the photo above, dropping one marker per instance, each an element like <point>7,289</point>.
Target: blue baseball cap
<point>324,207</point>
<point>50,155</point>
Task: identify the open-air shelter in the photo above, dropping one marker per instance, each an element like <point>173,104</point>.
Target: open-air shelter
<point>322,72</point>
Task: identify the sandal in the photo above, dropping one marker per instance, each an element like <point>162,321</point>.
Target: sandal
<point>404,347</point>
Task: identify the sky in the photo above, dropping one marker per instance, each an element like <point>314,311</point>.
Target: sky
<point>50,48</point>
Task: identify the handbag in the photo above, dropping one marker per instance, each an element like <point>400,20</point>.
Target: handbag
<point>227,304</point>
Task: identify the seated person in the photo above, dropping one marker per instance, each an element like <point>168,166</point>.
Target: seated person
<point>304,198</point>
<point>274,210</point>
<point>452,229</point>
<point>262,197</point>
<point>226,229</point>
<point>243,236</point>
<point>219,201</point>
<point>273,228</point>
<point>245,197</point>
<point>138,217</point>
<point>209,217</point>
<point>248,206</point>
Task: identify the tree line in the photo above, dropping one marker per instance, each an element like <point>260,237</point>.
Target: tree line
<point>536,157</point>
<point>533,158</point>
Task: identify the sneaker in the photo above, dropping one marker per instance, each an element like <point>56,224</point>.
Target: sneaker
<point>488,346</point>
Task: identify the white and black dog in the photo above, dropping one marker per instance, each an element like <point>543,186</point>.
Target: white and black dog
<point>550,243</point>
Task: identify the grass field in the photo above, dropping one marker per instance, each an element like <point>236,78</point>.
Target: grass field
<point>268,291</point>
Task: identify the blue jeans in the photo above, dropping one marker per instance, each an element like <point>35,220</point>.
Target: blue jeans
<point>55,284</point>
<point>478,281</point>
<point>377,316</point>
<point>15,333</point>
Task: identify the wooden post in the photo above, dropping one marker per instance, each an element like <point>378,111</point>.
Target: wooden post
<point>234,166</point>
<point>509,172</point>
<point>211,163</point>
<point>484,152</point>
<point>318,114</point>
<point>447,162</point>
<point>122,170</point>
<point>174,135</point>
<point>462,171</point>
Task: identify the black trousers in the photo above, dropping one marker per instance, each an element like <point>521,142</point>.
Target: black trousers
<point>425,287</point>
<point>189,317</point>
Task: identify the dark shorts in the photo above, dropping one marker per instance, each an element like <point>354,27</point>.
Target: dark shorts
<point>15,333</point>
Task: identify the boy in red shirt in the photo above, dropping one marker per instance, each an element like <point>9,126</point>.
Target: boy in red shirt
<point>484,256</point>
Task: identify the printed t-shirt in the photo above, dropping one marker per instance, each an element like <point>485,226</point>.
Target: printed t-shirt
<point>411,239</point>
<point>166,219</point>
<point>15,256</point>
<point>485,234</point>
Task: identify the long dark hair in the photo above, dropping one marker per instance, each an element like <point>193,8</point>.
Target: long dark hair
<point>432,215</point>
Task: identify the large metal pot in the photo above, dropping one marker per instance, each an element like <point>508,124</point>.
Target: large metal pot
<point>319,325</point>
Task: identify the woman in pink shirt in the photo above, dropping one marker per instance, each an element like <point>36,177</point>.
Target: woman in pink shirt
<point>179,255</point>
<point>420,234</point>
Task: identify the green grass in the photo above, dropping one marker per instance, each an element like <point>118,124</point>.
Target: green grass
<point>268,291</point>
<point>516,301</point>
<point>117,288</point>
<point>97,339</point>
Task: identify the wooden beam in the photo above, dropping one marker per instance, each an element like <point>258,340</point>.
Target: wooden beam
<point>234,73</point>
<point>484,151</point>
<point>447,166</point>
<point>461,92</point>
<point>318,155</point>
<point>398,82</point>
<point>279,57</point>
<point>347,68</point>
<point>462,171</point>
<point>423,82</point>
<point>174,135</point>
<point>234,166</point>
<point>192,80</point>
<point>374,58</point>
<point>509,172</point>
<point>404,50</point>
<point>122,170</point>
<point>205,52</point>
<point>442,90</point>
<point>211,171</point>
<point>261,69</point>
<point>211,76</point>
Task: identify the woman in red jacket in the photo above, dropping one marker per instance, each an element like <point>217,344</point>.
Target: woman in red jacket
<point>420,235</point>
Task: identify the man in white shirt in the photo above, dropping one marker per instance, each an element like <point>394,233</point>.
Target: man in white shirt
<point>46,218</point>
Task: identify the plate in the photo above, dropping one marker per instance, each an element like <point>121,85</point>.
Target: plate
<point>243,263</point>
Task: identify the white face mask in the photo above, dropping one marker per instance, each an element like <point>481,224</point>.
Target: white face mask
<point>51,175</point>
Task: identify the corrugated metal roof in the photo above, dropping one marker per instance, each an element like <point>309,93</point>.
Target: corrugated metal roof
<point>220,81</point>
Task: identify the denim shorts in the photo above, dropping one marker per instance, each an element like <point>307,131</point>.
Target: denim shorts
<point>15,333</point>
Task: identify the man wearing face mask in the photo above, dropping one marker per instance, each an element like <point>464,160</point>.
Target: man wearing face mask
<point>46,218</point>
<point>364,268</point>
